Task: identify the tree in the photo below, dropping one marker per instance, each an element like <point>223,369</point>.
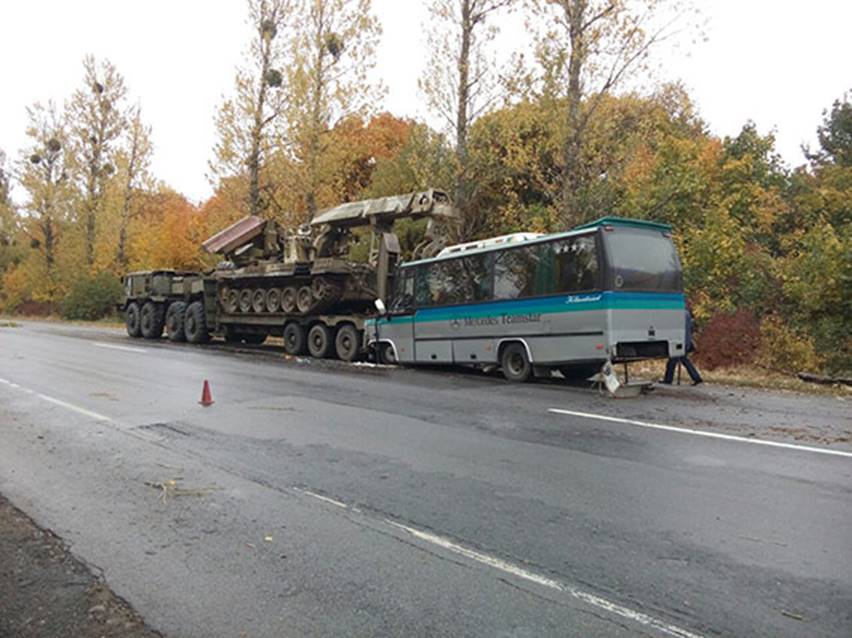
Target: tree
<point>95,121</point>
<point>133,162</point>
<point>585,49</point>
<point>9,221</point>
<point>835,136</point>
<point>246,123</point>
<point>332,50</point>
<point>43,173</point>
<point>459,83</point>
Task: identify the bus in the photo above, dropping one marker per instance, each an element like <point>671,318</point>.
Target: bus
<point>607,291</point>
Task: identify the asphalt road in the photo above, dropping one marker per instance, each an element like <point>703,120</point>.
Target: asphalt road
<point>317,499</point>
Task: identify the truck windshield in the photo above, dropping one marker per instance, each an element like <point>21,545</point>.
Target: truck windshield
<point>642,260</point>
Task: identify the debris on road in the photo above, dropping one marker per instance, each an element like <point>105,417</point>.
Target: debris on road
<point>171,489</point>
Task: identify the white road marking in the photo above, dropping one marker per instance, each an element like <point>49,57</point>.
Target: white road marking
<point>321,497</point>
<point>4,382</point>
<point>544,581</point>
<point>74,408</point>
<point>712,435</point>
<point>100,344</point>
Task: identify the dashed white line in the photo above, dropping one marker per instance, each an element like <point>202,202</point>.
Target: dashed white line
<point>544,581</point>
<point>712,435</point>
<point>100,344</point>
<point>74,408</point>
<point>320,497</point>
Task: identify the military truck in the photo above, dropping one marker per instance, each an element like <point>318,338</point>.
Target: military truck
<point>299,283</point>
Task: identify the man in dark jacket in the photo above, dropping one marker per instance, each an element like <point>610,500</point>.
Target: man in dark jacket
<point>674,361</point>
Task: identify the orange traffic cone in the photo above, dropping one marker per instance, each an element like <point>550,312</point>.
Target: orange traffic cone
<point>206,397</point>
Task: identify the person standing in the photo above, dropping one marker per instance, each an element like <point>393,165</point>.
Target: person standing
<point>672,363</point>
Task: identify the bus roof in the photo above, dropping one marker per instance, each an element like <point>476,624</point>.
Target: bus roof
<point>577,230</point>
<point>624,221</point>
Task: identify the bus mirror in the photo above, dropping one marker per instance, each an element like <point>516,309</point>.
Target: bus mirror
<point>380,306</point>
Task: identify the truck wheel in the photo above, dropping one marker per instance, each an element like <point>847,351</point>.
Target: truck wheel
<point>245,300</point>
<point>515,364</point>
<point>151,320</point>
<point>346,342</point>
<point>195,323</point>
<point>305,300</point>
<point>258,300</point>
<point>273,300</point>
<point>134,327</point>
<point>319,341</point>
<point>174,321</point>
<point>294,338</point>
<point>288,300</point>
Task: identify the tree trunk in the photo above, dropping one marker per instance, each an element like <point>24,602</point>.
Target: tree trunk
<point>463,108</point>
<point>571,175</point>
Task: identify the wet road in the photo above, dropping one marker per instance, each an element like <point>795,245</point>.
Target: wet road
<point>321,499</point>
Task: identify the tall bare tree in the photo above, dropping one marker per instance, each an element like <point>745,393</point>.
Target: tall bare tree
<point>95,120</point>
<point>43,173</point>
<point>460,82</point>
<point>333,51</point>
<point>586,49</point>
<point>133,164</point>
<point>246,123</point>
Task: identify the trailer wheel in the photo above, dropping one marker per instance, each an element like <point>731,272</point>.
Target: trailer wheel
<point>305,300</point>
<point>134,327</point>
<point>515,364</point>
<point>195,323</point>
<point>288,299</point>
<point>320,344</point>
<point>174,321</point>
<point>294,339</point>
<point>151,320</point>
<point>346,342</point>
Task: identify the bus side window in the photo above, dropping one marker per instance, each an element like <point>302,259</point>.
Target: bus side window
<point>515,272</point>
<point>577,264</point>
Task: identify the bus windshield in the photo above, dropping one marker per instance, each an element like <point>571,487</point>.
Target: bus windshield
<point>642,260</point>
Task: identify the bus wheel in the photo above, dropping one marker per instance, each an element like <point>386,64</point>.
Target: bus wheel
<point>387,355</point>
<point>151,320</point>
<point>319,341</point>
<point>134,329</point>
<point>515,363</point>
<point>346,342</point>
<point>174,321</point>
<point>195,323</point>
<point>294,338</point>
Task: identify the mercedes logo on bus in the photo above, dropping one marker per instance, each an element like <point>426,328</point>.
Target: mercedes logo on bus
<point>455,323</point>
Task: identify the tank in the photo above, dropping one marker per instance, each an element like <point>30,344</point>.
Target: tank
<point>270,271</point>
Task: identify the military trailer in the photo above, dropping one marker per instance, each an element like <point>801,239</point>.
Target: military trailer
<point>299,284</point>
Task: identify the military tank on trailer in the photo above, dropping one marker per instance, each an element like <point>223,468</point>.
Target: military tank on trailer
<point>297,283</point>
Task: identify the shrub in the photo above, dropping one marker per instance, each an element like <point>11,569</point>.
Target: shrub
<point>92,297</point>
<point>728,339</point>
<point>782,348</point>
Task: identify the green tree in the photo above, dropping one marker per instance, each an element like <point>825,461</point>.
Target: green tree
<point>332,51</point>
<point>133,160</point>
<point>835,135</point>
<point>247,123</point>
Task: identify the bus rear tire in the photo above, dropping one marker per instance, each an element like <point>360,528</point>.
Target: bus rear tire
<point>320,344</point>
<point>294,339</point>
<point>515,363</point>
<point>134,328</point>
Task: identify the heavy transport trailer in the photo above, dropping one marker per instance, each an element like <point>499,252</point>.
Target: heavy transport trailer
<point>187,306</point>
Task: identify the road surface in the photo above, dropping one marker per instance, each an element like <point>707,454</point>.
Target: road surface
<point>319,499</point>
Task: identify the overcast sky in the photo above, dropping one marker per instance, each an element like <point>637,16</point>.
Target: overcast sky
<point>777,63</point>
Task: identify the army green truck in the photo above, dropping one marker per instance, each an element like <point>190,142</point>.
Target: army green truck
<point>299,284</point>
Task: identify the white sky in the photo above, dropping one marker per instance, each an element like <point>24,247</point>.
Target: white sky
<point>778,63</point>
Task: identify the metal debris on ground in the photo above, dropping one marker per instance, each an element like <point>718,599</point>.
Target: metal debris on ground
<point>171,489</point>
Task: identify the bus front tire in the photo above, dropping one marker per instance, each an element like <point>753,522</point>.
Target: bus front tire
<point>134,328</point>
<point>386,354</point>
<point>515,363</point>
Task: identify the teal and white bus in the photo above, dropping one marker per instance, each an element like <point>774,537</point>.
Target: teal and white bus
<point>607,291</point>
